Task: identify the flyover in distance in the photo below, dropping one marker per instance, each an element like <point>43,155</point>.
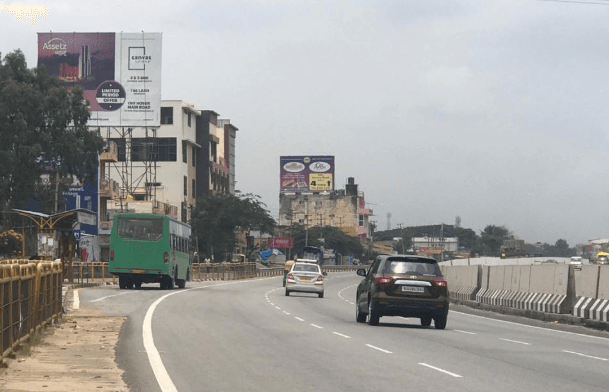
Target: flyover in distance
<point>247,335</point>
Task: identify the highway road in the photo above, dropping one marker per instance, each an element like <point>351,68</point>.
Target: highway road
<point>248,336</point>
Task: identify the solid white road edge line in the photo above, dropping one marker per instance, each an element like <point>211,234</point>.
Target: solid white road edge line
<point>154,357</point>
<point>162,377</point>
<point>587,356</point>
<point>378,348</point>
<point>440,370</point>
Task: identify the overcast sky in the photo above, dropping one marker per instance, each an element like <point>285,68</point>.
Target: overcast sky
<point>494,111</point>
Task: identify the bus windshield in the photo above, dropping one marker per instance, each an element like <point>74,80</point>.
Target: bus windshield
<point>142,229</point>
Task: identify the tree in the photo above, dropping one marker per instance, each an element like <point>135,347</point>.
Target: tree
<point>492,238</point>
<point>215,219</point>
<point>43,129</point>
<point>562,248</point>
<point>333,238</point>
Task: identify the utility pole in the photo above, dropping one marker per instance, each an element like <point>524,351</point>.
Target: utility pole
<point>402,234</point>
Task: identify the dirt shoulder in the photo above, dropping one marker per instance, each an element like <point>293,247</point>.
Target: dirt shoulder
<point>76,354</point>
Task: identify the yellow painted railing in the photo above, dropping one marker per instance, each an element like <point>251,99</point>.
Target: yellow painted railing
<point>30,298</point>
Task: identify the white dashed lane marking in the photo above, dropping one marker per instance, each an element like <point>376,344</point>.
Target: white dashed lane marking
<point>440,370</point>
<point>378,348</point>
<point>515,341</point>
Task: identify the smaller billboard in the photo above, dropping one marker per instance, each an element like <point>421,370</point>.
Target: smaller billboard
<point>281,242</point>
<point>308,173</point>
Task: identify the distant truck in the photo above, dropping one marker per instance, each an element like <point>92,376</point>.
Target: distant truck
<point>512,248</point>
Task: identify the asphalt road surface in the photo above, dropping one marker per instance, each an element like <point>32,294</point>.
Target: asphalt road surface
<point>248,336</point>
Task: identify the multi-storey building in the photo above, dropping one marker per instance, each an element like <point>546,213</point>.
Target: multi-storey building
<point>164,169</point>
<point>344,209</point>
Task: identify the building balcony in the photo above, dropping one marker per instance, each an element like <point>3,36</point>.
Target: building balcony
<point>109,152</point>
<point>108,189</point>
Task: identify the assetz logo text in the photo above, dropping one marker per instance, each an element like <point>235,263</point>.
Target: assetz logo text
<point>57,44</point>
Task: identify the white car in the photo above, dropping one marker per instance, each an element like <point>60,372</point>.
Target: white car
<point>305,277</point>
<point>576,262</point>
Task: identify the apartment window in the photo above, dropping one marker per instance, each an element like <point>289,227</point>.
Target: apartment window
<point>318,203</point>
<point>189,118</point>
<point>161,149</point>
<point>185,152</point>
<point>194,156</point>
<point>167,149</point>
<point>194,189</point>
<point>167,115</point>
<point>185,186</point>
<point>361,220</point>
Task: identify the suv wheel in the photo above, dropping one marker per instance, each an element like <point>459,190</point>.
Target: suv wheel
<point>426,321</point>
<point>359,316</point>
<point>440,321</point>
<point>373,315</point>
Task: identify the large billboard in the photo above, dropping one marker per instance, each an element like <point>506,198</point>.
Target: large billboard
<point>305,174</point>
<point>120,73</point>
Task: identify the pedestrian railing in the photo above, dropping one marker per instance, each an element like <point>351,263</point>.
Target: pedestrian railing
<point>30,298</point>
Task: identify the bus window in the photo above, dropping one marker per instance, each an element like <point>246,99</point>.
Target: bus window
<point>143,229</point>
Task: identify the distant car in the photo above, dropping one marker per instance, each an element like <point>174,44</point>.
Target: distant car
<point>602,260</point>
<point>576,262</point>
<point>402,285</point>
<point>305,277</point>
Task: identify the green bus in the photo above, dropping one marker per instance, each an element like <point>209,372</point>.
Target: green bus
<point>150,248</point>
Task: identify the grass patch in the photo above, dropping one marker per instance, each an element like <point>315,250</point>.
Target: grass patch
<point>25,349</point>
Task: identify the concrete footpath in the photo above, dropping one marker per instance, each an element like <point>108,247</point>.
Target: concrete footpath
<point>76,354</point>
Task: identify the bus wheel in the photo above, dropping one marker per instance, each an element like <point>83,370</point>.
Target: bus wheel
<point>167,283</point>
<point>121,283</point>
<point>138,285</point>
<point>181,283</point>
<point>129,284</point>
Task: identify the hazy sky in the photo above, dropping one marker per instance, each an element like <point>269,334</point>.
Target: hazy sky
<point>494,111</point>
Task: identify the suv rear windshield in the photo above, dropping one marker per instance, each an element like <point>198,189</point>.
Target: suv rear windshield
<point>412,266</point>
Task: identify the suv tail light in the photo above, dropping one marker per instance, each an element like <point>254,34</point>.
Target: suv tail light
<point>320,278</point>
<point>383,279</point>
<point>165,257</point>
<point>290,277</point>
<point>112,255</point>
<point>440,282</point>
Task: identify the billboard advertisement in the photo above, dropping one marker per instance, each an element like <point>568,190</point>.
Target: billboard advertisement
<point>83,196</point>
<point>120,73</point>
<point>308,173</point>
<point>281,242</point>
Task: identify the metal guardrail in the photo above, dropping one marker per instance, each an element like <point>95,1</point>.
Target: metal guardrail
<point>30,298</point>
<point>92,272</point>
<point>230,271</point>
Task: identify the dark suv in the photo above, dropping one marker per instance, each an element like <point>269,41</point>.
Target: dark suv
<point>407,286</point>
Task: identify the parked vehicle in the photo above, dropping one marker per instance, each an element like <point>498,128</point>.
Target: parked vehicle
<point>305,277</point>
<point>149,248</point>
<point>402,285</point>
